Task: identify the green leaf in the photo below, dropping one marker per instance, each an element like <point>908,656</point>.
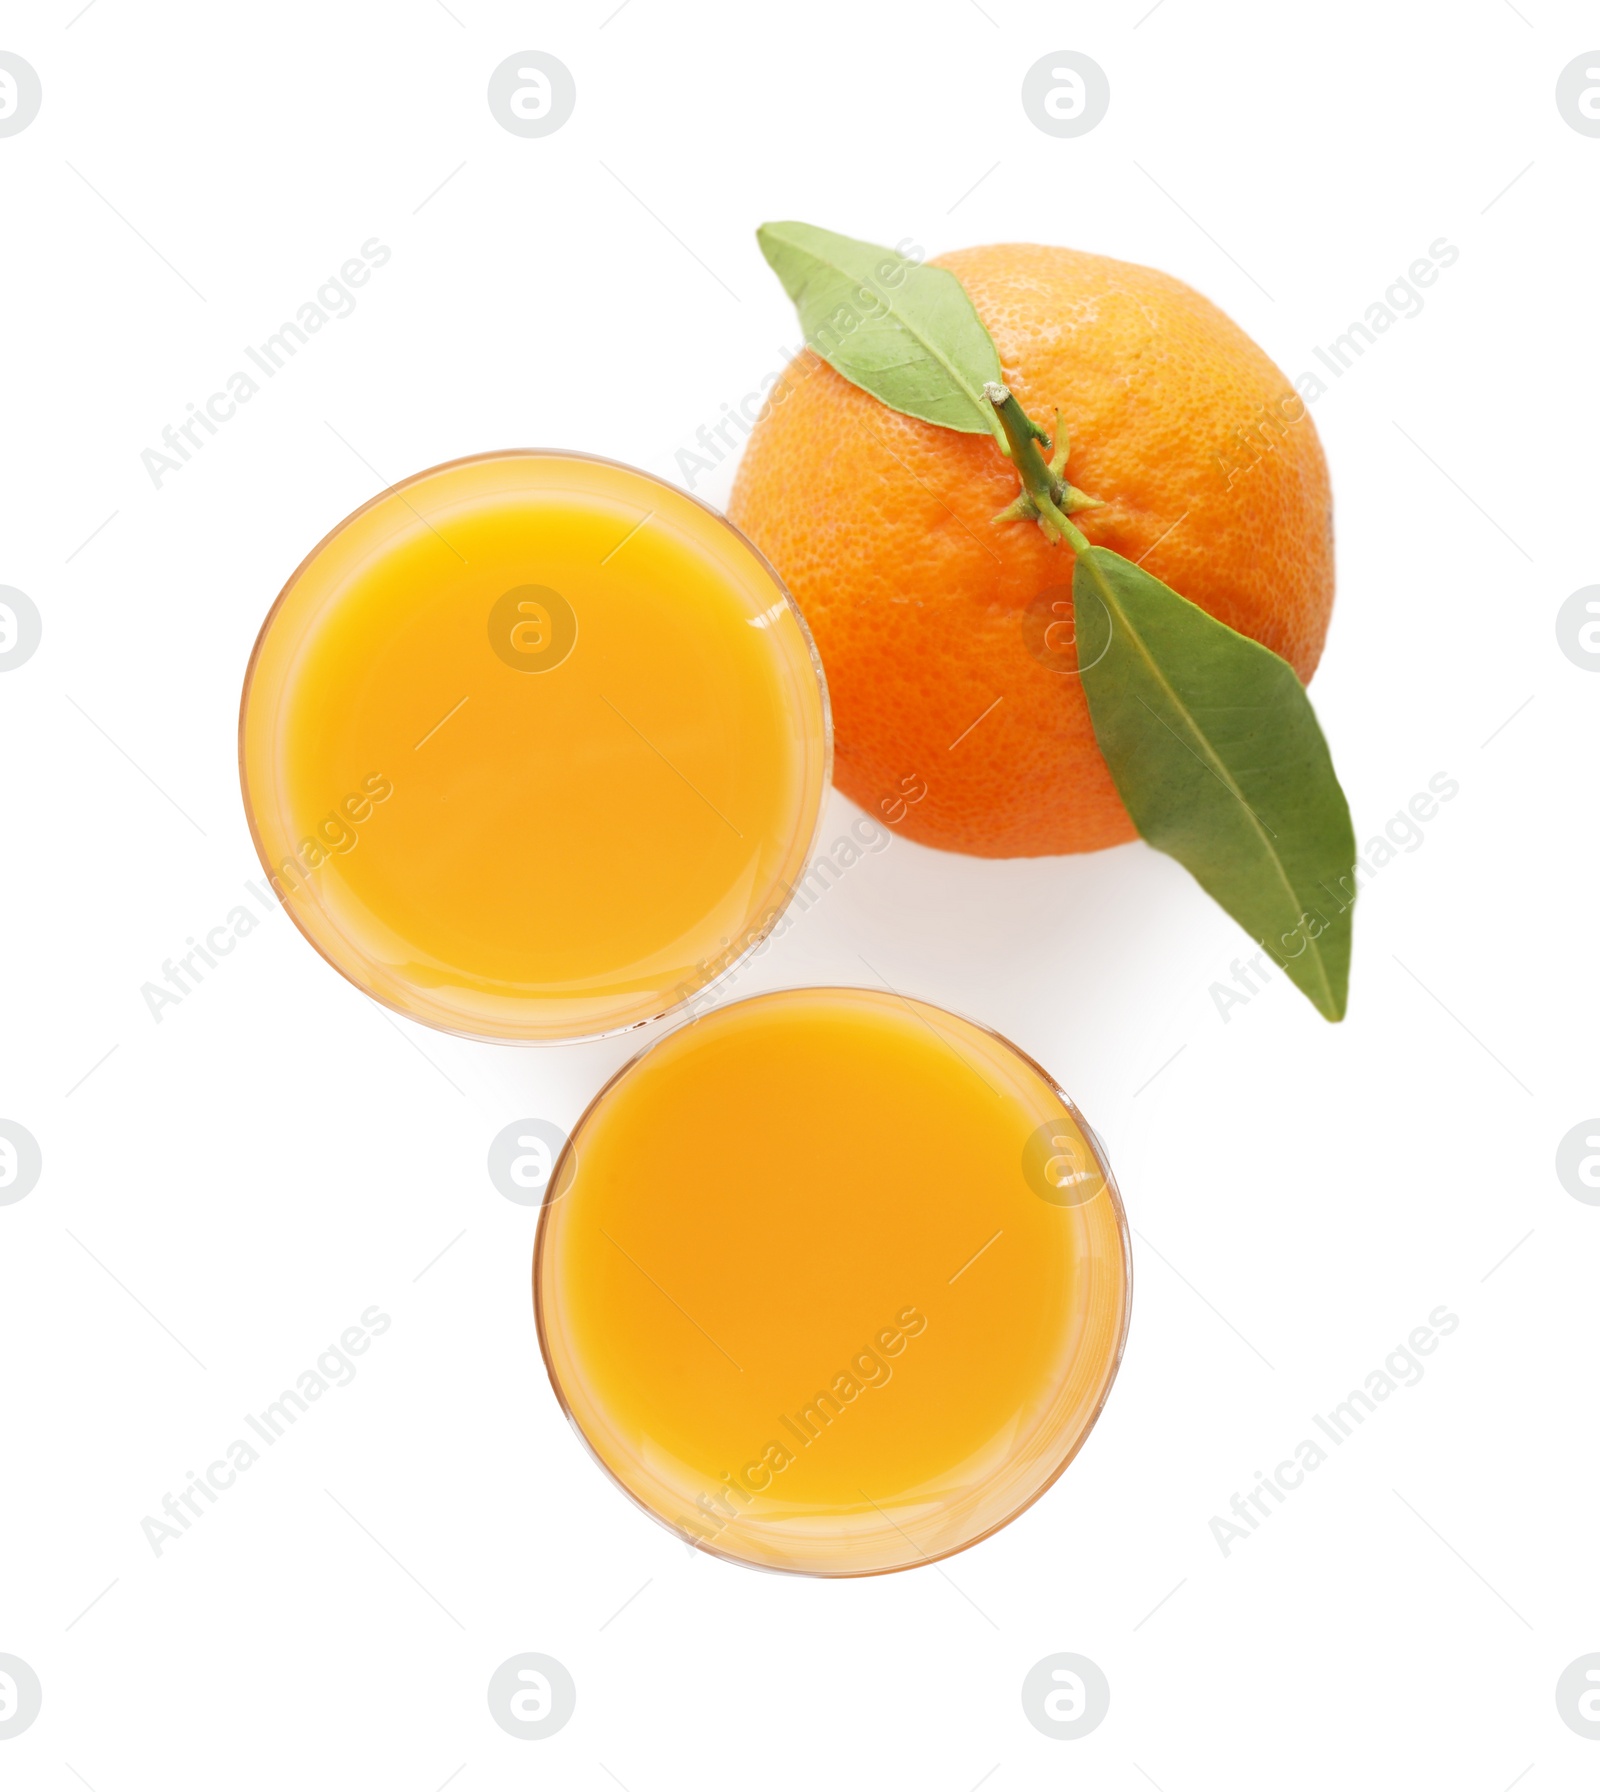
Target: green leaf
<point>905,332</point>
<point>1216,751</point>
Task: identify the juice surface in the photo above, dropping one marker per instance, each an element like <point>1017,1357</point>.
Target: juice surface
<point>832,1281</point>
<point>533,746</point>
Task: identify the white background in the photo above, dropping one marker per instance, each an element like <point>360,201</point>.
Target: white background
<point>277,1155</point>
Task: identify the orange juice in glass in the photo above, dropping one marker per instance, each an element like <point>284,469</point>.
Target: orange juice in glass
<point>832,1281</point>
<point>533,746</point>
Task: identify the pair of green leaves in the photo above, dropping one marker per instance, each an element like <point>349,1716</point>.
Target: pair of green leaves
<point>1209,736</point>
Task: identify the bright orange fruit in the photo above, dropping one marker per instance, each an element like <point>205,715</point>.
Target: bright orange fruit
<point>929,615</point>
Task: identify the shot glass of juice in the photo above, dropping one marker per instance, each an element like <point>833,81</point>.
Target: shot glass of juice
<point>832,1281</point>
<point>533,746</point>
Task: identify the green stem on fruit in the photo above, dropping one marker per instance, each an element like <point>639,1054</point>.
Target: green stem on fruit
<point>1046,498</point>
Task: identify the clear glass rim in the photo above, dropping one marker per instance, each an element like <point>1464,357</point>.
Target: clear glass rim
<point>400,486</point>
<point>554,1192</point>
